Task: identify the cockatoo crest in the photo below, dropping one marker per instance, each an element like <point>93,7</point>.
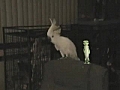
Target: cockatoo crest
<point>54,29</point>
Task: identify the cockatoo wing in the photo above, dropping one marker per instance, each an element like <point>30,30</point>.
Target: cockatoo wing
<point>67,47</point>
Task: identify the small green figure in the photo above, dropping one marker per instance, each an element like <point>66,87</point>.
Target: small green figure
<point>86,51</point>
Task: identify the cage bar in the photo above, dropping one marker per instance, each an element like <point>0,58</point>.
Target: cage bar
<point>26,51</point>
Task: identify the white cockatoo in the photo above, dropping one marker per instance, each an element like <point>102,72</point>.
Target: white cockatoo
<point>61,43</point>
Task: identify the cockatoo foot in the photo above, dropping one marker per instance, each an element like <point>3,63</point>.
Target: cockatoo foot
<point>61,58</point>
<point>77,59</point>
<point>64,57</point>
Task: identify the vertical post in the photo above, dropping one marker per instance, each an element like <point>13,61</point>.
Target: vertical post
<point>4,50</point>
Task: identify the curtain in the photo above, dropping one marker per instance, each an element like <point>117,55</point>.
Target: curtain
<point>36,12</point>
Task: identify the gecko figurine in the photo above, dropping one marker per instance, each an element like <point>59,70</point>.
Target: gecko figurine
<point>86,51</point>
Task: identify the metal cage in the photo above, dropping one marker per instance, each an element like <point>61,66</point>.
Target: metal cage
<point>26,50</point>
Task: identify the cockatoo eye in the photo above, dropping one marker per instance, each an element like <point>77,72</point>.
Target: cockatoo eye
<point>52,36</point>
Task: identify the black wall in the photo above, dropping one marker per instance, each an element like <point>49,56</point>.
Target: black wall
<point>103,38</point>
<point>106,9</point>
